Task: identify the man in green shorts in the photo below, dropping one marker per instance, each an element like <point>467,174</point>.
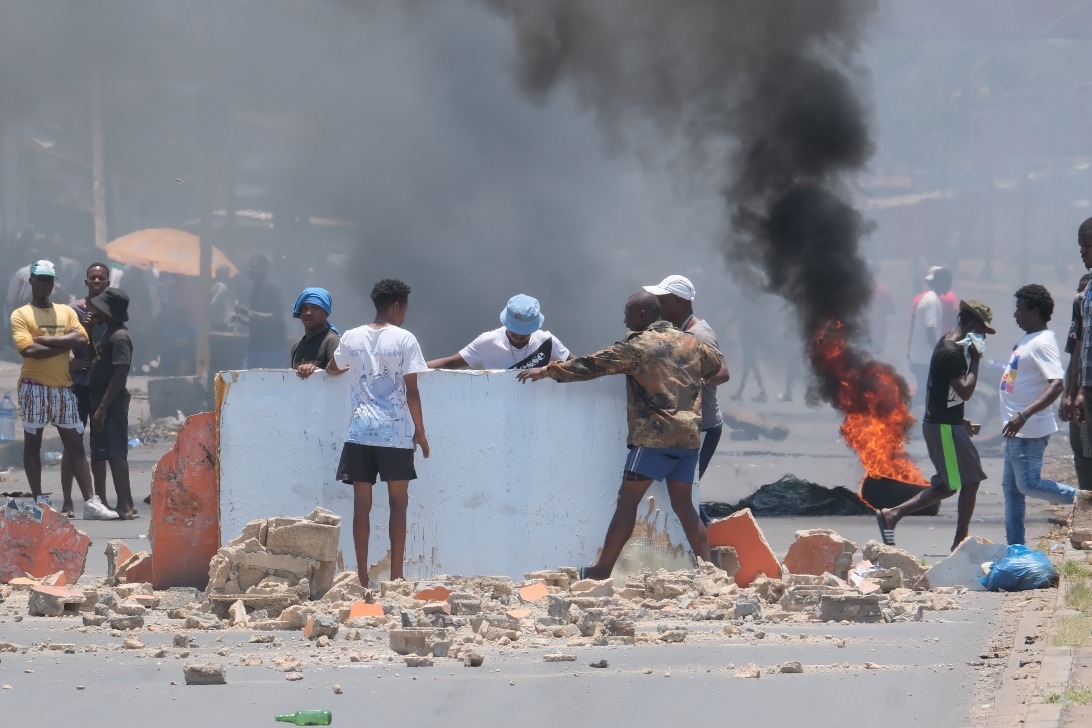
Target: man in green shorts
<point>953,375</point>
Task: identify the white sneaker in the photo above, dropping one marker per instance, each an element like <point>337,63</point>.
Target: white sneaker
<point>95,510</point>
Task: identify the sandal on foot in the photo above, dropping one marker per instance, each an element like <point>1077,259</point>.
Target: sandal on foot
<point>582,572</point>
<point>887,534</point>
<point>68,514</point>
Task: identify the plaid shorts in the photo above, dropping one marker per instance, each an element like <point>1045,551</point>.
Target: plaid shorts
<point>44,405</point>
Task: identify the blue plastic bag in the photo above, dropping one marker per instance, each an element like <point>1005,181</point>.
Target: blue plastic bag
<point>1021,569</point>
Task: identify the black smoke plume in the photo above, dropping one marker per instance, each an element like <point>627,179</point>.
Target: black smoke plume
<point>767,96</point>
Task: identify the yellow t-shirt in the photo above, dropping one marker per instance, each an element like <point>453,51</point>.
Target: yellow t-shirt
<point>29,321</point>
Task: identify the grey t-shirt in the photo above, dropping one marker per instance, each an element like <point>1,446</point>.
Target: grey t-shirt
<point>710,410</point>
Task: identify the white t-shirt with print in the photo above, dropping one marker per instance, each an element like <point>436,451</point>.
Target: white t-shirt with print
<point>928,314</point>
<point>378,359</point>
<point>1034,362</point>
<point>493,350</point>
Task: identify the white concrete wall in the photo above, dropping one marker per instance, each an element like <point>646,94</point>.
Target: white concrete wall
<point>521,476</point>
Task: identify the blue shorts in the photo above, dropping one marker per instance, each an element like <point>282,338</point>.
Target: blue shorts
<point>678,464</point>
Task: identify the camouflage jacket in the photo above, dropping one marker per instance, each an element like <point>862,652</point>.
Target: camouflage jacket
<point>664,369</point>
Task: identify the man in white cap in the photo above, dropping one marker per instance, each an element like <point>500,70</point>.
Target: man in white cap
<point>45,335</point>
<point>676,296</point>
<point>520,343</point>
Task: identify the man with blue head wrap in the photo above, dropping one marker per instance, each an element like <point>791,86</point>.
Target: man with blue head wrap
<point>320,340</point>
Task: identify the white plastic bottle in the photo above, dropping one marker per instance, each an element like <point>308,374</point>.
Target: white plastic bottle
<point>7,417</point>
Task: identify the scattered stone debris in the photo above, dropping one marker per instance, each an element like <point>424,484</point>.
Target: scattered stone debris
<point>287,550</point>
<point>791,667</point>
<point>337,689</point>
<point>559,658</point>
<point>601,664</point>
<point>473,659</point>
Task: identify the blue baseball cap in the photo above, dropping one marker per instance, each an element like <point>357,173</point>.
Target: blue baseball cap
<point>522,315</point>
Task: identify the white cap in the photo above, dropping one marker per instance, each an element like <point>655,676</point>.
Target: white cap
<point>932,270</point>
<point>676,285</point>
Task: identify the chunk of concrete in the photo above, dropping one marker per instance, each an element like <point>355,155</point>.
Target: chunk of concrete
<point>1080,524</point>
<point>131,622</point>
<point>851,607</point>
<point>437,593</point>
<point>137,570</point>
<point>593,588</point>
<point>54,601</point>
<point>320,625</point>
<point>963,567</point>
<point>419,641</point>
<point>820,551</point>
<point>892,557</point>
<point>117,553</point>
<point>533,592</point>
<point>205,674</point>
<point>363,609</point>
<point>741,532</point>
<point>304,538</point>
<point>32,548</point>
<point>185,521</point>
<point>237,614</point>
<point>726,559</point>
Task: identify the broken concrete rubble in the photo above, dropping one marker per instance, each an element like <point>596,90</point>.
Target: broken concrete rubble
<point>741,532</point>
<point>205,674</point>
<point>892,557</point>
<point>54,601</point>
<point>820,551</point>
<point>36,548</point>
<point>290,549</point>
<point>963,567</point>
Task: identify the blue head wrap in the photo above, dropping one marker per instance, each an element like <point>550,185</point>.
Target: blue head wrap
<point>319,297</point>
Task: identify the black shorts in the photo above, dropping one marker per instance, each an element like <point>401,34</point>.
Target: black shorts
<point>362,463</point>
<point>83,402</point>
<point>112,441</point>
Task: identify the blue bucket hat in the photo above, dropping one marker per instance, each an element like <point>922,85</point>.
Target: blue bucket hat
<point>522,315</point>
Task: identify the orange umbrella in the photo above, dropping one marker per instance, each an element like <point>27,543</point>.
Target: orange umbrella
<point>170,251</point>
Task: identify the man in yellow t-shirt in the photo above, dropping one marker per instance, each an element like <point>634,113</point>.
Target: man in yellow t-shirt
<point>45,334</point>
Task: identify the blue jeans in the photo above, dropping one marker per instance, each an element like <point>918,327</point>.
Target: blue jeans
<point>1021,479</point>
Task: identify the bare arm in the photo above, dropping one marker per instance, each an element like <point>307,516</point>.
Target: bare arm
<point>1069,393</point>
<point>413,400</point>
<point>333,368</point>
<point>67,341</point>
<point>455,361</point>
<point>113,389</point>
<point>720,377</point>
<point>964,385</point>
<point>40,351</point>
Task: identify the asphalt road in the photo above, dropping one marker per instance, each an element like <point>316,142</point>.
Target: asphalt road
<point>922,674</point>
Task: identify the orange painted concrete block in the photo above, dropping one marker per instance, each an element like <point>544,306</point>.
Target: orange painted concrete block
<point>820,551</point>
<point>138,570</point>
<point>363,609</point>
<point>22,583</point>
<point>741,532</point>
<point>435,594</point>
<point>518,613</point>
<point>533,592</point>
<point>30,548</point>
<point>185,528</point>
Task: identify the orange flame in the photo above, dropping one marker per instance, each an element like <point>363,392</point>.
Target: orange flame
<point>869,393</point>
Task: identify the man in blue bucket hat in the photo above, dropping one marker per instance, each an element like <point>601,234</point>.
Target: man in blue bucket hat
<point>520,343</point>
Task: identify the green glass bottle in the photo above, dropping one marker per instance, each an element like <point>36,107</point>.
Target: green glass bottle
<point>307,717</point>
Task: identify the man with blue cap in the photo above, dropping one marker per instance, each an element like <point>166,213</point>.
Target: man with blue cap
<point>520,343</point>
<point>315,350</point>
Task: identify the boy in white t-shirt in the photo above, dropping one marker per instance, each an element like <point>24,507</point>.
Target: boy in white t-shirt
<point>519,344</point>
<point>386,424</point>
<point>1029,386</point>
